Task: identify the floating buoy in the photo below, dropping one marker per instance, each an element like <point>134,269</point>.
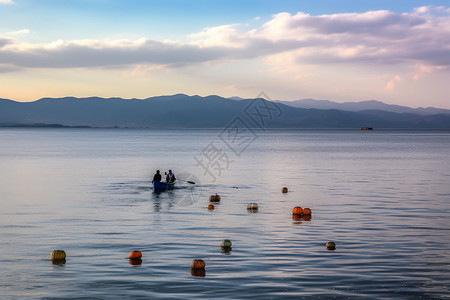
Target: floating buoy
<point>214,198</point>
<point>58,255</point>
<point>210,206</point>
<point>252,206</point>
<point>135,255</point>
<point>198,264</point>
<point>135,261</point>
<point>306,211</point>
<point>297,210</point>
<point>331,246</point>
<point>225,243</point>
<point>284,190</point>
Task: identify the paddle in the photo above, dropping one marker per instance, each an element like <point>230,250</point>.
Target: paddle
<point>191,182</point>
<point>188,181</point>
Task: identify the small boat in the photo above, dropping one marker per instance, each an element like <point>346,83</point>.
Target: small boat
<point>366,128</point>
<point>163,186</point>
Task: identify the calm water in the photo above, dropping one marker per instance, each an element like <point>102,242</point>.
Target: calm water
<point>381,196</point>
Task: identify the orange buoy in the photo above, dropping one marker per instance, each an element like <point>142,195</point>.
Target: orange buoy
<point>214,198</point>
<point>306,211</point>
<point>135,254</point>
<point>210,206</point>
<point>297,210</point>
<point>284,190</point>
<point>198,264</point>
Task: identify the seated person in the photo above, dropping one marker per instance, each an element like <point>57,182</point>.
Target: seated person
<point>157,176</point>
<point>170,177</point>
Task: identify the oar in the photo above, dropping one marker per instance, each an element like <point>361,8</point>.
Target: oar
<point>191,182</point>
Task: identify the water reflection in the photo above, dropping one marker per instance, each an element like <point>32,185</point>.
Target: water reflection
<point>181,196</point>
<point>297,219</point>
<point>225,250</point>
<point>198,272</point>
<point>59,262</point>
<point>135,261</point>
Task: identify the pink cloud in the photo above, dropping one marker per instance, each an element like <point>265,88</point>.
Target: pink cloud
<point>373,37</point>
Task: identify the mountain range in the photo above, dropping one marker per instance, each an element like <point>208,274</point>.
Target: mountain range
<point>183,111</point>
<point>364,105</point>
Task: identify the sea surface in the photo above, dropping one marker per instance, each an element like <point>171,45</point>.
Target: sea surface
<point>382,196</point>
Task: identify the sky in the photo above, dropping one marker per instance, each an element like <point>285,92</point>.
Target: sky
<point>397,52</point>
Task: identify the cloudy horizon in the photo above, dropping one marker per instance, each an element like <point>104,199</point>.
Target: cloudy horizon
<point>396,55</point>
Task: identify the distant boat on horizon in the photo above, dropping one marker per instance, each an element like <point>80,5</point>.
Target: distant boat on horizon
<point>366,128</point>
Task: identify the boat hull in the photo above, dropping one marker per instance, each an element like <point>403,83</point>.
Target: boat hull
<point>162,186</point>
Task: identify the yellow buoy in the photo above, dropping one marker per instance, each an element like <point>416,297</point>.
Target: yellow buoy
<point>252,206</point>
<point>331,246</point>
<point>58,254</point>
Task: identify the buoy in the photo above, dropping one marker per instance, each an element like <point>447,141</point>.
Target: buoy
<point>252,206</point>
<point>210,206</point>
<point>331,246</point>
<point>306,211</point>
<point>135,255</point>
<point>284,190</point>
<point>198,264</point>
<point>58,254</point>
<point>225,243</point>
<point>214,198</point>
<point>297,210</point>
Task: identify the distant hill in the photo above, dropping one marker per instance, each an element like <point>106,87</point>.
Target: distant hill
<point>364,105</point>
<point>182,111</point>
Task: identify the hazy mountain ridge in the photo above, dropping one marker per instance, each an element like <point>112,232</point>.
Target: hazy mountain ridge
<point>363,105</point>
<point>182,111</point>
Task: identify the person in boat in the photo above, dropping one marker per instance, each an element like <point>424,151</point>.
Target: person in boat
<point>170,177</point>
<point>157,176</point>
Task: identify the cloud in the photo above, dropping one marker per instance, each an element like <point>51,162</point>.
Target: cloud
<point>373,37</point>
<point>6,2</point>
<point>4,68</point>
<point>5,41</point>
<point>18,32</point>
